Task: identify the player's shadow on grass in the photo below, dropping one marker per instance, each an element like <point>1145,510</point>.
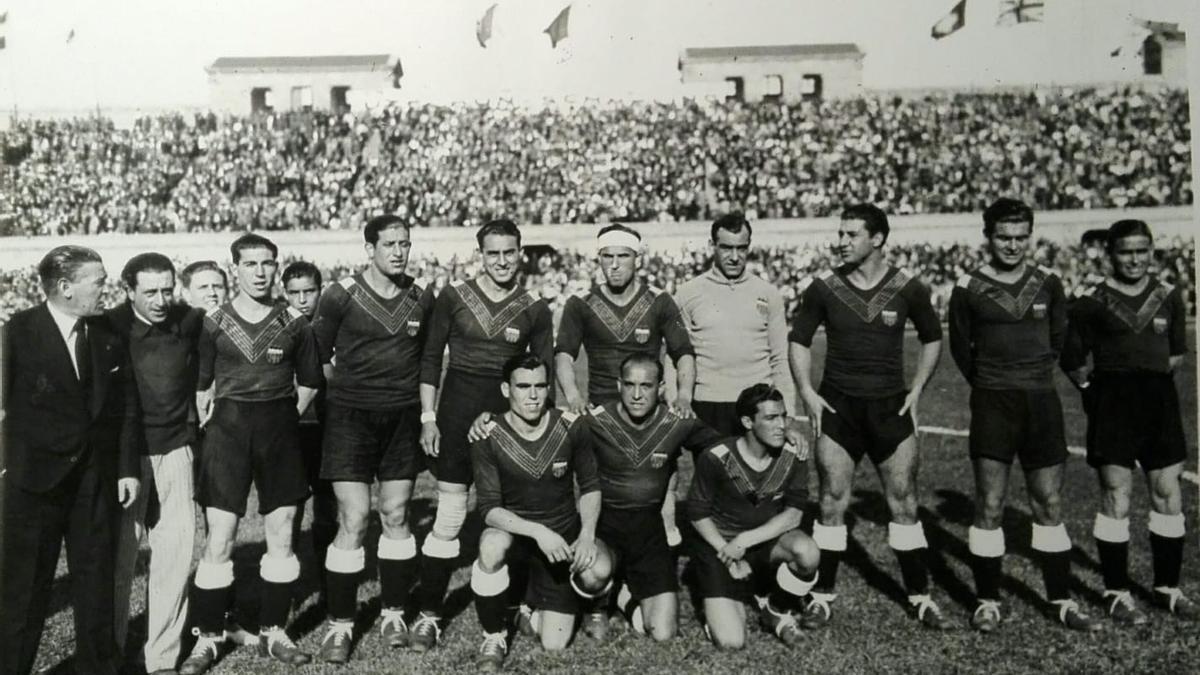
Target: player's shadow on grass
<point>959,509</point>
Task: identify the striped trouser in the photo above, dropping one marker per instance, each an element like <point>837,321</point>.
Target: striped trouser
<point>171,535</point>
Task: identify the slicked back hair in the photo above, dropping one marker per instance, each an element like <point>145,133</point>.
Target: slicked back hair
<point>249,241</point>
<point>524,361</point>
<point>145,262</point>
<point>1126,228</point>
<point>380,223</point>
<point>63,262</point>
<point>301,269</point>
<point>732,223</point>
<point>875,219</point>
<point>503,227</point>
<point>748,400</point>
<point>185,275</point>
<point>1006,210</point>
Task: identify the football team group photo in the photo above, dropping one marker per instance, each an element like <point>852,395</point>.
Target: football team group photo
<point>783,355</point>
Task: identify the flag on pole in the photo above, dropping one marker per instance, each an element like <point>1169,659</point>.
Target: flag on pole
<point>483,27</point>
<point>397,73</point>
<point>1115,53</point>
<point>1013,12</point>
<point>70,36</point>
<point>1156,26</point>
<point>557,30</point>
<point>957,18</point>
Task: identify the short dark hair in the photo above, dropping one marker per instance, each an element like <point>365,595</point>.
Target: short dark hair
<point>731,223</point>
<point>380,223</point>
<point>523,361</point>
<point>301,269</point>
<point>250,241</point>
<point>642,359</point>
<point>189,270</point>
<point>145,262</point>
<point>1006,210</point>
<point>872,216</point>
<point>748,400</point>
<point>1126,228</point>
<point>63,262</point>
<point>503,227</point>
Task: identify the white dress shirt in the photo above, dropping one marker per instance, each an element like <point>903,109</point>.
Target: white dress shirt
<point>66,326</point>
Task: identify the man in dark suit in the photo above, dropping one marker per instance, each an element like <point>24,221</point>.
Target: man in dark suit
<point>71,438</point>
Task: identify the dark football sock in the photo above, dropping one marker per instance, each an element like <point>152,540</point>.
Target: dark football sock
<point>913,571</point>
<point>342,595</point>
<point>1168,560</point>
<point>1114,564</point>
<point>1056,574</point>
<point>208,608</point>
<point>987,571</point>
<point>396,578</point>
<point>275,604</point>
<point>434,579</point>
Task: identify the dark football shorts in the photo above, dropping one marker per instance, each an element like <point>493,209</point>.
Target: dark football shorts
<point>715,581</point>
<point>866,426</point>
<point>464,396</point>
<point>1016,423</point>
<point>251,443</point>
<point>548,585</point>
<point>310,435</point>
<point>644,558</point>
<point>362,445</point>
<point>1134,417</point>
<point>720,415</point>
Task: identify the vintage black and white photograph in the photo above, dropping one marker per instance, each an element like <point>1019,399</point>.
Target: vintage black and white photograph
<point>598,336</point>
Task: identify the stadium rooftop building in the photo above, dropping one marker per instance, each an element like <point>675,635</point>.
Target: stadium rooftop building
<point>765,72</point>
<point>243,85</point>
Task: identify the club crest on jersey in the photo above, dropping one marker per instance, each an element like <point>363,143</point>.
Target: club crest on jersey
<point>1160,325</point>
<point>642,335</point>
<point>559,469</point>
<point>889,317</point>
<point>1039,310</point>
<point>658,459</point>
<point>274,354</point>
<point>412,328</point>
<point>512,334</point>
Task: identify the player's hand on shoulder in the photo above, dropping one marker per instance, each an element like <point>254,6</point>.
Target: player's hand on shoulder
<point>796,438</point>
<point>576,404</point>
<point>481,428</point>
<point>682,407</point>
<point>553,545</point>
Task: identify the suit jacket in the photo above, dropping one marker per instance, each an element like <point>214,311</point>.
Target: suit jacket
<point>52,422</point>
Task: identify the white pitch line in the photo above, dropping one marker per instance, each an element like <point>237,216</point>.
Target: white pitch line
<point>1189,476</point>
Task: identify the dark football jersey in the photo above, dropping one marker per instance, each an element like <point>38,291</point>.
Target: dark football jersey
<point>636,464</point>
<point>737,497</point>
<point>611,333</point>
<point>483,334</point>
<point>375,342</point>
<point>865,329</point>
<point>536,479</point>
<point>1008,335</point>
<point>1126,333</point>
<point>260,361</point>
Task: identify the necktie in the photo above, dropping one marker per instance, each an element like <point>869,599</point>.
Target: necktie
<point>83,354</point>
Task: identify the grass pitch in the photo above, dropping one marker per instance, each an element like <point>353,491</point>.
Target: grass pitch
<point>871,630</point>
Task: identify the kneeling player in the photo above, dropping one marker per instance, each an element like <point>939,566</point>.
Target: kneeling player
<point>525,476</point>
<point>1133,327</point>
<point>745,505</point>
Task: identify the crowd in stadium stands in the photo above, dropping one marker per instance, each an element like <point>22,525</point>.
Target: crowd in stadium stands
<point>556,277</point>
<point>597,162</point>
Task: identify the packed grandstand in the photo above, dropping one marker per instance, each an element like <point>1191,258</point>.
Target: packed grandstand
<point>464,164</point>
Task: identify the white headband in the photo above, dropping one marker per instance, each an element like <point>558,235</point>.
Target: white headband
<point>618,238</point>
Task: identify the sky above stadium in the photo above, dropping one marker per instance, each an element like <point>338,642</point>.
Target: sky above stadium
<point>77,54</point>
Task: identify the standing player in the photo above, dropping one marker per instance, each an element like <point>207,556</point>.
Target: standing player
<point>525,477</point>
<point>1008,322</point>
<point>162,337</point>
<point>369,331</point>
<point>1133,328</point>
<point>637,445</point>
<point>263,360</point>
<point>862,407</point>
<point>745,504</point>
<point>484,322</point>
<point>302,289</point>
<point>615,320</point>
<point>737,327</point>
<point>205,285</point>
